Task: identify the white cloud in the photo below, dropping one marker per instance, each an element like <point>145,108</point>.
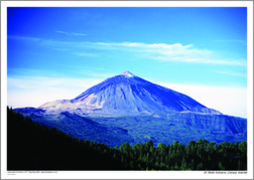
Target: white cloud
<point>241,41</point>
<point>227,100</point>
<point>202,61</point>
<point>71,33</point>
<point>156,51</point>
<point>84,54</point>
<point>35,91</point>
<point>174,52</point>
<point>25,38</point>
<point>232,73</point>
<point>77,34</point>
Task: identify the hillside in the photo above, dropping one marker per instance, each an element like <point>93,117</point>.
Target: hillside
<point>32,146</point>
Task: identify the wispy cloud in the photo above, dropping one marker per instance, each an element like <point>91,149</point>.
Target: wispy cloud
<point>25,38</point>
<point>231,73</point>
<point>170,52</point>
<point>244,42</point>
<point>158,51</point>
<point>178,52</point>
<point>85,54</point>
<point>203,60</point>
<point>71,33</point>
<point>74,71</point>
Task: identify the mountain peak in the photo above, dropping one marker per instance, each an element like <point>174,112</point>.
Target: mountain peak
<point>127,94</point>
<point>127,73</point>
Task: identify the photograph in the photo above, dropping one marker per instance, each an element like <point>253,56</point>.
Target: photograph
<point>127,90</point>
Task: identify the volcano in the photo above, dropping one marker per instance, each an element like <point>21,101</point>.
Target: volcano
<point>127,108</point>
<point>127,94</point>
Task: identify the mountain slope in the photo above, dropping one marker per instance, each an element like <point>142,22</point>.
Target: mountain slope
<point>127,94</point>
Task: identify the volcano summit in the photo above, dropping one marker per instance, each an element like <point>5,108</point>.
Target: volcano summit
<point>127,108</point>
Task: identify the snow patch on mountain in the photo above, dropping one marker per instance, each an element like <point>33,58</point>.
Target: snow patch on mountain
<point>127,73</point>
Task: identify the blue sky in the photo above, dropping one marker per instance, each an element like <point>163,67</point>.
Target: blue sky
<point>57,53</point>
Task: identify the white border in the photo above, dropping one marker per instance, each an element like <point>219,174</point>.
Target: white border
<point>124,174</point>
<point>250,87</point>
<point>3,87</point>
<point>127,3</point>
